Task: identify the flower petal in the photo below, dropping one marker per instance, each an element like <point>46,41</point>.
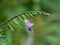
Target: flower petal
<point>28,28</point>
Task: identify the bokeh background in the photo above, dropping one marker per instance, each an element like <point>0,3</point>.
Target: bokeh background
<point>46,31</point>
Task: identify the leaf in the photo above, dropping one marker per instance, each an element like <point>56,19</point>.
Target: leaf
<point>18,20</point>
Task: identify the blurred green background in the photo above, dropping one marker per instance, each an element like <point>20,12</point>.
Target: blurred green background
<point>46,30</point>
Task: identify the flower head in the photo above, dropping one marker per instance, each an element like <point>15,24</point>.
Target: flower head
<point>28,24</point>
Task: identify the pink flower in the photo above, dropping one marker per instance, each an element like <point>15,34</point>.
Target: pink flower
<point>28,24</point>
